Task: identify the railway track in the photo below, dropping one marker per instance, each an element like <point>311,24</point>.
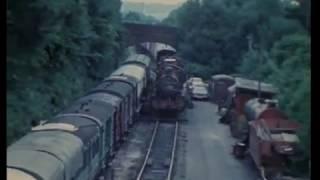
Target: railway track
<point>159,160</point>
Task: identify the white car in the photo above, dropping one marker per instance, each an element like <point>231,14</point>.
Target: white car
<point>200,92</point>
<point>199,83</point>
<point>196,81</point>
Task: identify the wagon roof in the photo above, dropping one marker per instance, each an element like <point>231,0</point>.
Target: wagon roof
<point>132,70</point>
<point>115,87</point>
<point>65,146</point>
<point>140,58</point>
<point>222,76</point>
<point>18,174</point>
<point>254,85</point>
<point>92,106</point>
<point>87,129</point>
<point>33,161</point>
<point>111,99</point>
<point>128,79</point>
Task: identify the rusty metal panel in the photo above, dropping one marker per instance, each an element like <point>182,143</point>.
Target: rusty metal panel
<point>253,109</point>
<point>240,101</point>
<point>254,146</point>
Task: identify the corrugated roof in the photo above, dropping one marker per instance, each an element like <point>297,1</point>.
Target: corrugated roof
<point>254,85</point>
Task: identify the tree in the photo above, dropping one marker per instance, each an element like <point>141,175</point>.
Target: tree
<point>56,50</point>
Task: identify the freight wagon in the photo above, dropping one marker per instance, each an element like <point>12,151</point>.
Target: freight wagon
<point>238,94</point>
<point>79,142</point>
<point>270,136</point>
<point>218,88</point>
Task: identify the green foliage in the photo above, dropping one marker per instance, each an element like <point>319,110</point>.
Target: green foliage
<point>136,17</point>
<point>292,56</point>
<point>287,66</point>
<point>56,51</point>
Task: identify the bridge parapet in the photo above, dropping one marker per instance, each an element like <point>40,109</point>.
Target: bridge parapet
<point>140,33</point>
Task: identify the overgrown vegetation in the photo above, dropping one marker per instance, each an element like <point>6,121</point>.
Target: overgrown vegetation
<point>267,40</point>
<point>56,51</point>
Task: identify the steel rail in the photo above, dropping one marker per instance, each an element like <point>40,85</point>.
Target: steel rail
<point>173,152</point>
<point>148,152</point>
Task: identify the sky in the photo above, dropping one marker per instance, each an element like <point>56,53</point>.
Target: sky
<point>157,1</point>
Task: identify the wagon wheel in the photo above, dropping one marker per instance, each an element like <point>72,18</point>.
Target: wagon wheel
<point>270,173</point>
<point>239,150</point>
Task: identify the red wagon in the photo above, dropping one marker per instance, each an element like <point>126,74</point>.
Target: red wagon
<point>241,92</point>
<point>271,142</point>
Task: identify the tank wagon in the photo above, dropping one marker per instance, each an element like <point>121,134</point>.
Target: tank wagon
<point>81,139</point>
<point>271,139</point>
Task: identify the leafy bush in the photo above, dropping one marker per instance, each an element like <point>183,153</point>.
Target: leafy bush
<point>56,51</point>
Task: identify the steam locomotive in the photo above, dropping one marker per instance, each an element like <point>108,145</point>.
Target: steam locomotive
<point>169,96</point>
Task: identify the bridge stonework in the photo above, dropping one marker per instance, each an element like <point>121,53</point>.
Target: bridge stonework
<point>139,33</point>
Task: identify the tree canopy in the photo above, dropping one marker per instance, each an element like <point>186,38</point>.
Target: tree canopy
<point>56,51</point>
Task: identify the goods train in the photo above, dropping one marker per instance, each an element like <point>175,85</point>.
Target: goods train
<point>81,140</point>
<point>238,94</point>
<point>254,117</point>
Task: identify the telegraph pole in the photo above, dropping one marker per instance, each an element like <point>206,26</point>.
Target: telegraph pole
<point>259,78</point>
<point>259,56</point>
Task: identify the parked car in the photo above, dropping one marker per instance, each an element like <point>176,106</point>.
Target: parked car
<point>196,81</point>
<point>200,92</point>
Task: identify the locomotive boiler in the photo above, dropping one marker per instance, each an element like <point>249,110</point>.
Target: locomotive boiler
<point>169,85</point>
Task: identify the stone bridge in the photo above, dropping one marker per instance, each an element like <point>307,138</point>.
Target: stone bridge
<point>139,33</point>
